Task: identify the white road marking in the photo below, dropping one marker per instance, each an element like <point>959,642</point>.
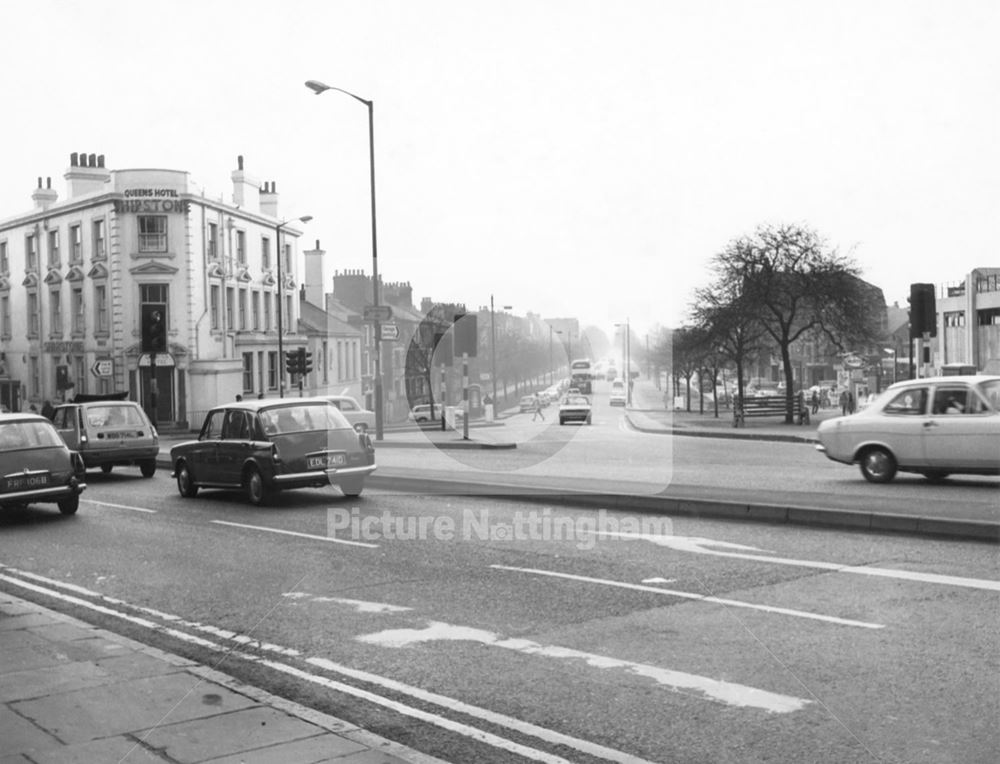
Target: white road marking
<point>658,580</point>
<point>701,546</point>
<point>118,506</point>
<point>730,693</point>
<point>696,596</point>
<point>469,731</point>
<point>360,606</point>
<point>331,539</point>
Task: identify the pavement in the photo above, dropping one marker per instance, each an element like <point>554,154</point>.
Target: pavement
<point>70,692</point>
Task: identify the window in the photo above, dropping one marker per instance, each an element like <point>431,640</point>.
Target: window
<point>267,311</point>
<point>101,325</point>
<point>34,380</point>
<point>272,370</point>
<point>255,310</point>
<point>4,261</point>
<point>326,362</point>
<point>5,316</point>
<point>152,233</point>
<point>54,247</point>
<point>241,247</point>
<point>80,375</point>
<point>230,299</point>
<point>950,400</point>
<point>912,401</point>
<point>243,309</point>
<point>156,296</point>
<point>76,305</point>
<point>55,314</point>
<point>212,430</point>
<point>260,370</point>
<point>31,252</point>
<point>954,319</point>
<point>213,241</point>
<point>99,240</point>
<point>75,244</point>
<point>214,292</point>
<point>265,252</point>
<point>248,372</point>
<point>32,314</point>
<point>288,315</point>
<point>340,361</point>
<point>288,258</point>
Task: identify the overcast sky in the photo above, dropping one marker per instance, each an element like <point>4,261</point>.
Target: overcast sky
<point>571,158</point>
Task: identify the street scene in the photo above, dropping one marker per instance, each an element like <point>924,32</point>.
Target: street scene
<point>624,388</point>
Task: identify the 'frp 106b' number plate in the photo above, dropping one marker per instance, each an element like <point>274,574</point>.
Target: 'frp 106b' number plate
<point>26,482</point>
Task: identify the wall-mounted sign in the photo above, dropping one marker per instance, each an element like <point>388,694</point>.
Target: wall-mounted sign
<point>104,367</point>
<point>390,332</point>
<point>162,359</point>
<point>152,200</point>
<point>63,346</point>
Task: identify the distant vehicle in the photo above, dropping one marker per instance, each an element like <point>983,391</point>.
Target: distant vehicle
<point>422,412</point>
<point>581,375</point>
<point>109,434</point>
<point>265,446</point>
<point>618,397</point>
<point>575,408</point>
<point>935,426</point>
<point>360,418</point>
<point>611,374</point>
<point>527,403</point>
<point>36,465</point>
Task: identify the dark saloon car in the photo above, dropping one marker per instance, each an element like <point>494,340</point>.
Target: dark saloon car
<point>266,446</point>
<point>36,465</point>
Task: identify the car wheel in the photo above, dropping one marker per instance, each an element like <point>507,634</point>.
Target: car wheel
<point>562,422</point>
<point>70,504</point>
<point>106,468</point>
<point>185,483</point>
<point>936,476</point>
<point>253,485</point>
<point>877,465</point>
<point>148,468</point>
<point>352,488</point>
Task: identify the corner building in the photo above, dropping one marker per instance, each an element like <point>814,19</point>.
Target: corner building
<point>77,274</point>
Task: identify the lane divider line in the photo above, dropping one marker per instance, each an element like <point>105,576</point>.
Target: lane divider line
<point>118,506</point>
<point>312,536</point>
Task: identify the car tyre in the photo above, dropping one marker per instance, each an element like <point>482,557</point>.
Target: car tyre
<point>253,486</point>
<point>877,465</point>
<point>148,468</point>
<point>106,468</point>
<point>185,483</point>
<point>352,488</point>
<point>562,422</point>
<point>70,504</point>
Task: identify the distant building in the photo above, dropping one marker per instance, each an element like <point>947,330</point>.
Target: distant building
<point>77,275</point>
<point>968,322</point>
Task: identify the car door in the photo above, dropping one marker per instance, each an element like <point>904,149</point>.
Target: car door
<point>962,432</point>
<point>203,455</point>
<point>235,446</point>
<point>67,422</point>
<point>900,424</point>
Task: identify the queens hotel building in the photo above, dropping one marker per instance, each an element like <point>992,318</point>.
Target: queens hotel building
<point>76,276</point>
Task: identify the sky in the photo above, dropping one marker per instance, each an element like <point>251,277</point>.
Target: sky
<point>571,158</point>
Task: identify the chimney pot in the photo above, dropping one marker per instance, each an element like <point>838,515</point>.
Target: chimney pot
<point>83,159</point>
<point>239,162</point>
<point>100,160</point>
<point>92,160</point>
<point>39,181</point>
<point>317,243</point>
<point>48,182</point>
<point>274,187</point>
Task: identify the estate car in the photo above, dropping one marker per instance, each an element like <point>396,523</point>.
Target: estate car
<point>36,466</point>
<point>109,433</point>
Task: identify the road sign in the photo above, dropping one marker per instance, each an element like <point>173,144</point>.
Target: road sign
<point>390,332</point>
<point>103,368</point>
<point>378,312</point>
<point>484,376</point>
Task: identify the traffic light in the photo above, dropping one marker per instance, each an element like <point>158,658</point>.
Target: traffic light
<point>466,334</point>
<point>305,361</point>
<point>923,311</point>
<point>154,329</point>
<point>292,362</point>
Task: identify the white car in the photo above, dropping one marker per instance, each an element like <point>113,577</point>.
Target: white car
<point>360,418</point>
<point>936,426</point>
<point>618,397</point>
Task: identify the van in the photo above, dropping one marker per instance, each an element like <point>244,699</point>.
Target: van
<point>109,433</point>
<point>618,397</point>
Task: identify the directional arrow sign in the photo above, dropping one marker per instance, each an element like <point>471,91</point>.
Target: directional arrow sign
<point>377,312</point>
<point>390,332</point>
<point>103,368</point>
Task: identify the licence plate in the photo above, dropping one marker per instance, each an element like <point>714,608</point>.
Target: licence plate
<point>118,435</point>
<point>327,460</point>
<point>26,482</point>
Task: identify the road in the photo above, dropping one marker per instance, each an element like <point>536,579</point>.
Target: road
<point>507,631</point>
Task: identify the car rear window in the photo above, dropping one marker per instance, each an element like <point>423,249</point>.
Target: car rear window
<point>17,435</point>
<point>302,418</point>
<point>114,416</point>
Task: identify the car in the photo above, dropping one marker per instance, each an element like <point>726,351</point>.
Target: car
<point>935,426</point>
<point>527,403</point>
<point>36,465</point>
<point>422,412</point>
<point>359,417</point>
<point>618,397</point>
<point>611,374</point>
<point>109,433</point>
<point>574,408</point>
<point>265,446</point>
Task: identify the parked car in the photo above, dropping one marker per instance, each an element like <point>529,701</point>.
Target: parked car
<point>109,433</point>
<point>527,403</point>
<point>36,465</point>
<point>934,426</point>
<point>618,397</point>
<point>360,418</point>
<point>611,374</point>
<point>574,408</point>
<point>266,446</point>
<point>422,412</point>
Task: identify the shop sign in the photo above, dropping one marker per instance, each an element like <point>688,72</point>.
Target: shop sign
<point>138,200</point>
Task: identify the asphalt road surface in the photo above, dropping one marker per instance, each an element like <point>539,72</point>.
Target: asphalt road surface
<point>478,630</point>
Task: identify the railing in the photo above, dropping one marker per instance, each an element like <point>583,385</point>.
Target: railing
<point>769,405</point>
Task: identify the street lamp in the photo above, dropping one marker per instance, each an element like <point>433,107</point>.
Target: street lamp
<point>892,351</point>
<point>319,87</point>
<point>281,299</point>
<point>627,361</point>
<point>493,353</point>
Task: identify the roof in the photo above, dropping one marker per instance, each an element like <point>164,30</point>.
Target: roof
<point>324,321</point>
<point>271,403</point>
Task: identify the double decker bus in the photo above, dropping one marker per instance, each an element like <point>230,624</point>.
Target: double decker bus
<point>581,374</point>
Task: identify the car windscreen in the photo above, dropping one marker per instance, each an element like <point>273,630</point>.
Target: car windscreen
<point>302,418</point>
<point>991,392</point>
<point>114,416</point>
<point>17,435</point>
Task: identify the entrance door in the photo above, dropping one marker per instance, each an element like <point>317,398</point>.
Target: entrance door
<point>165,392</point>
<point>10,395</point>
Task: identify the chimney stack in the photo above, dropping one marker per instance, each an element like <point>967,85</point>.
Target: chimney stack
<point>44,197</point>
<point>315,279</point>
<point>269,199</point>
<point>86,175</point>
<point>243,186</point>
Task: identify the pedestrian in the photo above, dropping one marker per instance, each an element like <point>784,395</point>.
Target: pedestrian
<point>538,409</point>
<point>238,397</point>
<point>260,396</point>
<point>815,402</point>
<point>851,403</point>
<point>48,410</point>
<point>843,403</point>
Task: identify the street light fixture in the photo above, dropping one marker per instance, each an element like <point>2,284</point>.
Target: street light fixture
<point>319,87</point>
<point>493,353</point>
<point>281,299</point>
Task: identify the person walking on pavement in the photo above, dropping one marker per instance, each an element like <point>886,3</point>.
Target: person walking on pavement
<point>843,403</point>
<point>538,409</point>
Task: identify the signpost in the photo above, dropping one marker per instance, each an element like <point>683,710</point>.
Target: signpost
<point>390,331</point>
<point>103,368</point>
<point>377,312</point>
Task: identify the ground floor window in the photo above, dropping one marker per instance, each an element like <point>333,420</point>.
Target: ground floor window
<point>248,372</point>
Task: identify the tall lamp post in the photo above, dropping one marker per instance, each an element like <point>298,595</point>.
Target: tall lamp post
<point>626,360</point>
<point>319,87</point>
<point>493,351</point>
<point>281,299</point>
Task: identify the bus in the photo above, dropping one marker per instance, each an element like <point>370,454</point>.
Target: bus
<point>581,375</point>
